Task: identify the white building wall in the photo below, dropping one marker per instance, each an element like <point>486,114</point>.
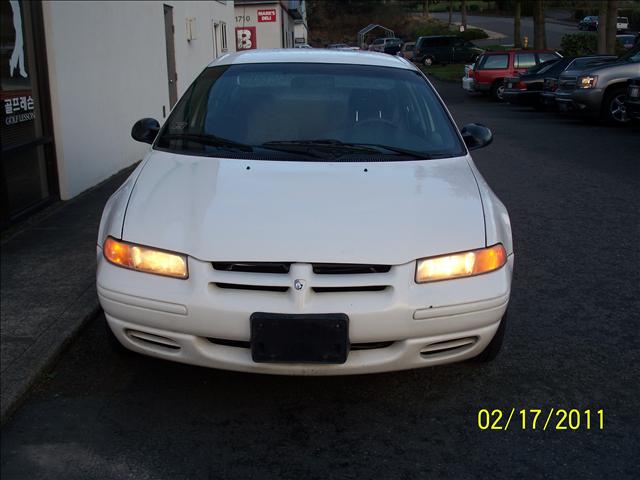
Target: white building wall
<point>300,31</point>
<point>268,34</point>
<point>108,68</point>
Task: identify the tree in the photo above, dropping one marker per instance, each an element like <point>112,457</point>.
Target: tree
<point>612,20</point>
<point>517,38</point>
<point>450,10</point>
<point>425,8</point>
<point>539,33</point>
<point>602,26</point>
<point>463,13</point>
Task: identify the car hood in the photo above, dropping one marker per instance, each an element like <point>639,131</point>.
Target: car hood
<point>339,212</point>
<point>622,66</point>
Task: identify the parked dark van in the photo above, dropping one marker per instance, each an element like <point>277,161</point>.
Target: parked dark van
<point>444,49</point>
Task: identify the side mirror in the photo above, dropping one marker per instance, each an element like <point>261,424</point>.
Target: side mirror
<point>476,136</point>
<point>145,130</point>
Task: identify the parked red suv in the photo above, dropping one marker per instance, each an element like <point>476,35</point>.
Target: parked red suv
<point>493,67</point>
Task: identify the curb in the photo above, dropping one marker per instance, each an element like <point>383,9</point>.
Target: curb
<point>18,379</point>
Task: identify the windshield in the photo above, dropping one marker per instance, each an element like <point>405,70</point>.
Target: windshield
<point>312,111</point>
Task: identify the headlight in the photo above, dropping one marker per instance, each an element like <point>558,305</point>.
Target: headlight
<point>588,81</point>
<point>145,259</point>
<point>463,264</point>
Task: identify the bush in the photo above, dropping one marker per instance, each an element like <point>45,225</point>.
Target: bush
<point>576,44</point>
<point>473,34</point>
<point>431,28</point>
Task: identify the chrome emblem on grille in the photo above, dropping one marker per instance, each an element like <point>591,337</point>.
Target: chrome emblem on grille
<point>298,284</point>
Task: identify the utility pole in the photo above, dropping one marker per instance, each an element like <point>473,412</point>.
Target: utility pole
<point>425,8</point>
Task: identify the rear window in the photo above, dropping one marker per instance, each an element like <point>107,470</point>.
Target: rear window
<point>525,60</point>
<point>251,105</point>
<point>495,62</point>
<point>623,20</point>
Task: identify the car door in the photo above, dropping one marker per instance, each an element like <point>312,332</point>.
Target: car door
<point>447,49</point>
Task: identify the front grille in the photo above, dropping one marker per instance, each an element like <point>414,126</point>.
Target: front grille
<point>365,288</point>
<point>284,267</point>
<point>241,286</point>
<point>567,84</point>
<point>245,344</point>
<point>253,267</point>
<point>320,278</point>
<point>348,268</point>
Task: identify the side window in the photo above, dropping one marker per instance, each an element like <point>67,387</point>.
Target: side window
<point>525,60</point>
<point>495,62</point>
<point>543,57</point>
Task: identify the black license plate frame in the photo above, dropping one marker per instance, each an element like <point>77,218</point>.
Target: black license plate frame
<point>299,338</point>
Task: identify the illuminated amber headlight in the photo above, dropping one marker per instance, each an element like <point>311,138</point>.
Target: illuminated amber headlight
<point>587,81</point>
<point>463,264</point>
<point>145,259</point>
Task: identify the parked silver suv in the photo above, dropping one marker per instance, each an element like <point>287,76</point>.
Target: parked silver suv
<point>599,91</point>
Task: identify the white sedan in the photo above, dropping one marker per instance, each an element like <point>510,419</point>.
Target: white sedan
<point>309,213</point>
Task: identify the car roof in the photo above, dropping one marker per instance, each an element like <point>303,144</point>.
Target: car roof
<point>437,36</point>
<point>315,55</point>
<point>519,50</point>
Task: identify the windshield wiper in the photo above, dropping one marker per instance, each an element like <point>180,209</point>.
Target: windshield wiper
<point>346,147</point>
<point>209,140</point>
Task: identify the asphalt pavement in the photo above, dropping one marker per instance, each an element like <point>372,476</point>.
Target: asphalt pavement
<point>504,25</point>
<point>572,190</point>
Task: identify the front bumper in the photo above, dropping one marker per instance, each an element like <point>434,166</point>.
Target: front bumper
<point>467,84</point>
<point>584,101</point>
<point>548,98</point>
<point>521,97</point>
<point>633,108</point>
<point>189,320</point>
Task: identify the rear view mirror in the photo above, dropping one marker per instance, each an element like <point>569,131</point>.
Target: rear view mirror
<point>476,135</point>
<point>145,130</point>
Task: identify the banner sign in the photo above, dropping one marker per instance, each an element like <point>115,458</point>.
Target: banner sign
<point>267,15</point>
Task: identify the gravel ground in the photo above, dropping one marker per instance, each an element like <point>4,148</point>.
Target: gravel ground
<point>572,190</point>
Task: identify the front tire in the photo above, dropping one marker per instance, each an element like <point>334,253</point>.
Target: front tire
<point>497,91</point>
<point>428,61</point>
<point>613,110</point>
<point>492,350</point>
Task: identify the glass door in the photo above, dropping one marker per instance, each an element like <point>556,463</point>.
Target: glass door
<point>27,167</point>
